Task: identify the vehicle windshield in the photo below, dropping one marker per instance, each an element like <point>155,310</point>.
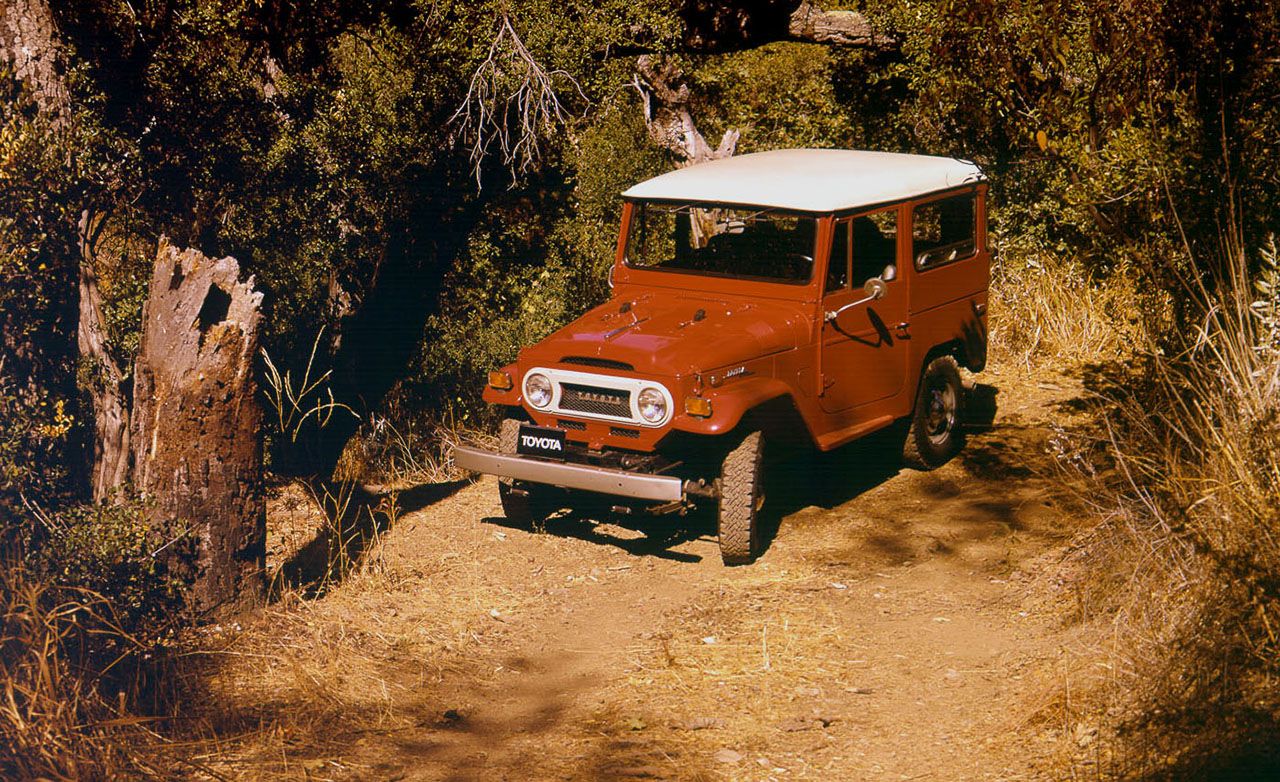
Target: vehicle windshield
<point>723,241</point>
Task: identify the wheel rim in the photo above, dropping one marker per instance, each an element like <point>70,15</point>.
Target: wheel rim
<point>940,412</point>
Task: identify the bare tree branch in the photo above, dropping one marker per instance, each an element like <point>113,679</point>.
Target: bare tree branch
<point>511,104</point>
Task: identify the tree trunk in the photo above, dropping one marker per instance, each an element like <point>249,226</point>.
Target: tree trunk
<point>197,426</point>
<point>30,43</point>
<point>808,22</point>
<point>666,113</point>
<point>380,337</point>
<point>109,467</point>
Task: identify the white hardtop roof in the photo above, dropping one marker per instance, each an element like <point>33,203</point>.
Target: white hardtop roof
<point>810,180</point>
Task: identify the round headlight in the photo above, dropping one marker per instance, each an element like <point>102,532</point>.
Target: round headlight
<point>537,390</point>
<point>653,405</point>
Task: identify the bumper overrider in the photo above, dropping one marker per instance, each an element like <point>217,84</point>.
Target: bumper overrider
<point>604,480</point>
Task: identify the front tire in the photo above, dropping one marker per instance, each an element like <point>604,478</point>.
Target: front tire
<point>523,503</point>
<point>741,499</point>
<point>935,435</point>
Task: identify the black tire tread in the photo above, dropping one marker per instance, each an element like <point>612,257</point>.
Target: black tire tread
<point>917,452</point>
<point>740,485</point>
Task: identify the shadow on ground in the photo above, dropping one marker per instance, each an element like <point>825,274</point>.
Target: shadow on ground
<point>795,480</point>
<point>353,518</point>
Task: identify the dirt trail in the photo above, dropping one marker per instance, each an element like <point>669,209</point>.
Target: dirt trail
<point>905,628</point>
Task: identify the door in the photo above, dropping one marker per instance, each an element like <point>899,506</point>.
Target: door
<point>864,350</point>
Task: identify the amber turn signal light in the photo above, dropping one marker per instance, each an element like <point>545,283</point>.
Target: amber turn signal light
<point>697,406</point>
<point>500,381</point>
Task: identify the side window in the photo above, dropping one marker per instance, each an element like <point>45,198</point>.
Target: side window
<point>875,244</point>
<point>838,268</point>
<point>944,231</point>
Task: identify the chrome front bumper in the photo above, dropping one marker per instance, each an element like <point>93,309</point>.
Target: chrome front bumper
<point>641,486</point>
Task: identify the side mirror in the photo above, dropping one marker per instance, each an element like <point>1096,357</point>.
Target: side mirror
<point>890,273</point>
<point>875,288</point>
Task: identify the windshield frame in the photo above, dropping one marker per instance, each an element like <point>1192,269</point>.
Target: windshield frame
<point>635,208</point>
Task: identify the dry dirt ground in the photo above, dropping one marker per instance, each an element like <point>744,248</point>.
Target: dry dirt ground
<point>900,626</point>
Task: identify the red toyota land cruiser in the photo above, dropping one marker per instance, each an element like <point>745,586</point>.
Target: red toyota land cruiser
<point>797,295</point>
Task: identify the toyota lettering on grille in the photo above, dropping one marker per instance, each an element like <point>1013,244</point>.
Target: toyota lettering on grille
<point>593,396</point>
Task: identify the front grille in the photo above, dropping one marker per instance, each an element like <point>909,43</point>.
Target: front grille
<point>567,424</point>
<point>618,431</point>
<point>595,401</point>
<point>592,361</point>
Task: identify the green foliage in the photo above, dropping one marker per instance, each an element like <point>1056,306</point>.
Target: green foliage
<point>109,550</point>
<point>309,143</point>
<point>781,95</point>
<point>46,169</point>
<point>34,430</point>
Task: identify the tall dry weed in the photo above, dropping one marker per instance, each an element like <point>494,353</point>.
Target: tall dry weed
<point>70,679</point>
<point>1192,492</point>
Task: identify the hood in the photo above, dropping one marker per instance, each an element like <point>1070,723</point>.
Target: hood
<point>677,334</point>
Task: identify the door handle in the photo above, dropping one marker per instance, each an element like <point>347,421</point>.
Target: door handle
<point>901,328</point>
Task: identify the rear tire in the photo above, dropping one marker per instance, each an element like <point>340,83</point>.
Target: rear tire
<point>523,503</point>
<point>741,498</point>
<point>935,435</point>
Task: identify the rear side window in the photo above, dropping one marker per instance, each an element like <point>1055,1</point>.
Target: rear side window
<point>944,231</point>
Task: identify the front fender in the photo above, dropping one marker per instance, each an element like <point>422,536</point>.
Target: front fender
<point>731,403</point>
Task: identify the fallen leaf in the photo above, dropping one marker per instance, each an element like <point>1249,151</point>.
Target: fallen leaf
<point>635,723</point>
<point>728,756</point>
<point>709,639</point>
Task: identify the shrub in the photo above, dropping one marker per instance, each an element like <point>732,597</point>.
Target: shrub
<point>86,611</point>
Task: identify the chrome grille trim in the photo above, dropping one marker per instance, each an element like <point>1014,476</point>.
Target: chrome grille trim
<point>601,397</point>
<point>595,400</point>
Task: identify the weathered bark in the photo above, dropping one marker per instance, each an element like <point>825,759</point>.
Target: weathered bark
<point>31,45</point>
<point>197,425</point>
<point>666,113</point>
<point>843,28</point>
<point>109,467</point>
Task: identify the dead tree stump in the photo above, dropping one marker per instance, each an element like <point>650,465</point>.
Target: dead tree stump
<point>197,426</point>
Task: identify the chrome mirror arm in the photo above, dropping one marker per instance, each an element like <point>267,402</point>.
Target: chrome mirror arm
<point>875,289</point>
<point>833,314</point>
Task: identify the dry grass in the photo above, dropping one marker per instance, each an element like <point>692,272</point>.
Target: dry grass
<point>298,689</point>
<point>62,654</point>
<point>1045,307</point>
<point>1188,560</point>
<point>396,457</point>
